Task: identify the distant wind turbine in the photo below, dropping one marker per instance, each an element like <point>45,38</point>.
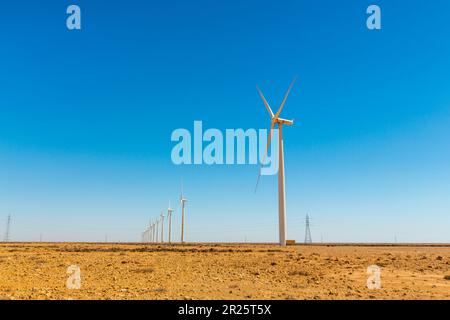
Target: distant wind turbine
<point>162,227</point>
<point>153,232</point>
<point>275,119</point>
<point>150,231</point>
<point>169,215</point>
<point>183,200</point>
<point>157,226</point>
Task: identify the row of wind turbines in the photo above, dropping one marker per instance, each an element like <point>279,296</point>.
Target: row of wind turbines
<point>155,230</point>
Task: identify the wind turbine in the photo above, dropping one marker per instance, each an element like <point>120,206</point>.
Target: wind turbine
<point>276,120</point>
<point>169,215</point>
<point>153,232</point>
<point>183,200</point>
<point>162,227</point>
<point>157,225</point>
<point>150,231</point>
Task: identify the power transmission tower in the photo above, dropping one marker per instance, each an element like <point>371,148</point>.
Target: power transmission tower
<point>307,231</point>
<point>8,225</point>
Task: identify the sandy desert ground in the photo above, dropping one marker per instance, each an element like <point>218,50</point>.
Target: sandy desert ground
<point>221,271</point>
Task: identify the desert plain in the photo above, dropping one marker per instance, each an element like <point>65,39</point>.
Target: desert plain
<point>222,271</point>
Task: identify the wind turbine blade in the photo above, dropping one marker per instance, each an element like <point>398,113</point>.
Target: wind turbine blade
<point>181,187</point>
<point>265,102</point>
<point>285,97</point>
<point>257,180</point>
<point>269,141</point>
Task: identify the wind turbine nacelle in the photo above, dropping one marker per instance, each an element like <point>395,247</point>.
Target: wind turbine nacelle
<point>285,121</point>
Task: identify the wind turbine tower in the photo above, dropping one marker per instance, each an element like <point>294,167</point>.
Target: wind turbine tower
<point>157,226</point>
<point>169,215</point>
<point>183,201</point>
<point>150,231</point>
<point>276,120</point>
<point>162,227</point>
<point>150,238</point>
<point>154,232</point>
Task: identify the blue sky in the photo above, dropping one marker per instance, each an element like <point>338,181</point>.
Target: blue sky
<point>86,118</point>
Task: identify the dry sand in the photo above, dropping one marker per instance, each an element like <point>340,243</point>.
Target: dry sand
<point>208,271</point>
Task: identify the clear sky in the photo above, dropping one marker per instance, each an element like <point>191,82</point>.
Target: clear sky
<point>86,118</point>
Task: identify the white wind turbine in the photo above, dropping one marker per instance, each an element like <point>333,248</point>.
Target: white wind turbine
<point>145,235</point>
<point>169,215</point>
<point>153,231</point>
<point>275,119</point>
<point>162,227</point>
<point>183,200</point>
<point>157,225</point>
<point>150,231</point>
